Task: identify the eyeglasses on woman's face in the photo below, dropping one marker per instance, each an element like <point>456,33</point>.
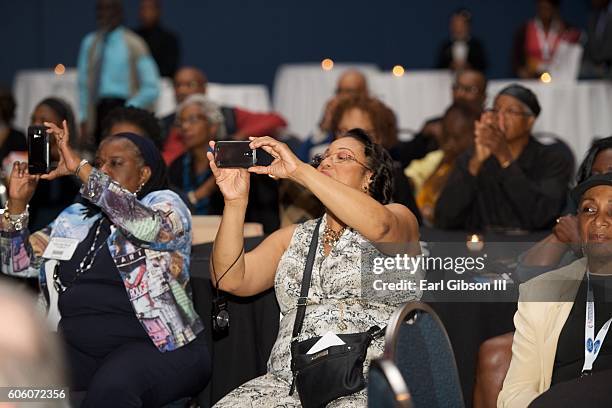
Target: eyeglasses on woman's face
<point>342,156</point>
<point>190,120</point>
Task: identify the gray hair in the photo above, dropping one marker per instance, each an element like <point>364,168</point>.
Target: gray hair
<point>210,110</point>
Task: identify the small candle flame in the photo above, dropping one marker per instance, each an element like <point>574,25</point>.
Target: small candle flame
<point>474,238</point>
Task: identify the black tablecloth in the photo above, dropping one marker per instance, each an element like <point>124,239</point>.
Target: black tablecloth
<point>243,353</point>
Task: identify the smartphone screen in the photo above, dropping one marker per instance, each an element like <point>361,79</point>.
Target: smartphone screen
<point>38,150</point>
<point>231,153</point>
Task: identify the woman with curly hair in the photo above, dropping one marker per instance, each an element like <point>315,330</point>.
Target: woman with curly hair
<point>378,121</point>
<point>353,179</point>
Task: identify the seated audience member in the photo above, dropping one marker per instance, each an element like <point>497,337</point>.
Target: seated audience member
<point>163,44</point>
<point>130,331</point>
<point>115,68</point>
<point>429,175</point>
<point>470,86</point>
<point>30,355</point>
<point>425,141</point>
<point>559,338</point>
<point>351,83</point>
<point>508,180</point>
<point>562,247</point>
<point>128,119</point>
<point>200,121</point>
<point>239,123</point>
<point>376,119</point>
<point>597,55</point>
<point>52,196</point>
<point>461,50</point>
<point>353,181</point>
<point>11,139</point>
<point>380,122</point>
<point>536,41</point>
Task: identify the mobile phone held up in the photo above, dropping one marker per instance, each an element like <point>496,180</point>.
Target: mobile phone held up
<point>234,154</point>
<point>38,150</point>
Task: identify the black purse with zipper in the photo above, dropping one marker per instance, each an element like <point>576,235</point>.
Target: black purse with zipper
<point>331,373</point>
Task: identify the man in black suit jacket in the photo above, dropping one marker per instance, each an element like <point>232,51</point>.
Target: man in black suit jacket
<point>461,51</point>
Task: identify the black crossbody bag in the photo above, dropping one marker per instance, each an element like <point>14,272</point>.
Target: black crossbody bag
<point>331,373</point>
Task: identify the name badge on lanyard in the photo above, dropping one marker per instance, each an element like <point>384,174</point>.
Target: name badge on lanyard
<point>60,248</point>
<point>592,343</point>
<point>547,40</point>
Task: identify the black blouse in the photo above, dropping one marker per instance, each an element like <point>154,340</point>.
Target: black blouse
<point>569,358</point>
<point>97,315</point>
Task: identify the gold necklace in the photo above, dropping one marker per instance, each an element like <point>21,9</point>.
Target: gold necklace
<point>331,237</point>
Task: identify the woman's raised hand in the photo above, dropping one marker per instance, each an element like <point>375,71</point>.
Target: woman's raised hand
<point>21,187</point>
<point>69,159</point>
<point>285,163</point>
<point>233,183</point>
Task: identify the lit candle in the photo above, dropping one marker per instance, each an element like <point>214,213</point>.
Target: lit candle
<point>546,78</point>
<point>60,69</point>
<point>398,71</point>
<point>327,64</point>
<point>475,243</point>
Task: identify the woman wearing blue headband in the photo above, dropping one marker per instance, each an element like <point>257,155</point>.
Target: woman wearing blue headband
<point>116,263</point>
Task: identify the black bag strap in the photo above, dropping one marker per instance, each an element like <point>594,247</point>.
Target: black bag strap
<point>303,299</point>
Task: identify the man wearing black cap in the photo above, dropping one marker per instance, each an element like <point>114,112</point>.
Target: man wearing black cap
<point>562,351</point>
<point>508,180</point>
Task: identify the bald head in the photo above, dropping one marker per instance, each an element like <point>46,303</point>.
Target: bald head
<point>352,82</point>
<point>189,81</point>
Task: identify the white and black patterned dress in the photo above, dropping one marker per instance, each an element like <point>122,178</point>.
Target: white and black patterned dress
<point>335,304</point>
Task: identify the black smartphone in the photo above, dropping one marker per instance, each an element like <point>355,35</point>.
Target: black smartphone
<point>234,154</point>
<point>38,150</point>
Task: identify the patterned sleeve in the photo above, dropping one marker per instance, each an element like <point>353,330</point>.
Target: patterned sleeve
<point>161,221</point>
<point>20,252</point>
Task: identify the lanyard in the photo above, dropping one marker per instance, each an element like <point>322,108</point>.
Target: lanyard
<point>202,205</point>
<point>592,347</point>
<point>547,40</point>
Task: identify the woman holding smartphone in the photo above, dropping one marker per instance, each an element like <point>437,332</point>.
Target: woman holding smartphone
<point>119,262</point>
<point>52,196</point>
<point>353,180</point>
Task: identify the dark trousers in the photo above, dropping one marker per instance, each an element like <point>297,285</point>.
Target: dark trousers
<point>592,391</point>
<point>137,374</point>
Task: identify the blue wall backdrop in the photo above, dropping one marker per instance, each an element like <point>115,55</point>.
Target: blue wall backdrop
<point>244,41</point>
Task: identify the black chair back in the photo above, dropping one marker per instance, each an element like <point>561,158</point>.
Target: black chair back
<point>418,344</point>
<point>386,386</point>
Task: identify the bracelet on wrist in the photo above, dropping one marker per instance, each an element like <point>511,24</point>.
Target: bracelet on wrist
<point>17,221</point>
<point>80,166</point>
